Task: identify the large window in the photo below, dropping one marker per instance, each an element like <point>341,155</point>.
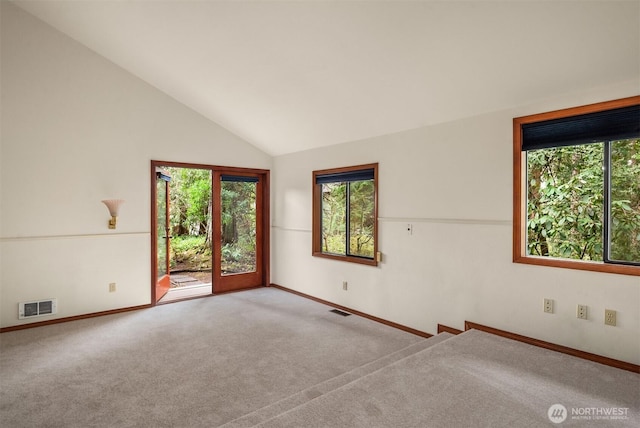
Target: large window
<point>577,188</point>
<point>345,213</point>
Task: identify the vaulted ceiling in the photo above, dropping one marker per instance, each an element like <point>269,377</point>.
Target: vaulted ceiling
<point>290,76</point>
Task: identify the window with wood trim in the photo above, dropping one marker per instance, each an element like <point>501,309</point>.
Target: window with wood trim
<point>345,213</point>
<point>577,188</point>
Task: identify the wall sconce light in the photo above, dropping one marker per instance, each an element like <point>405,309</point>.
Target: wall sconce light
<point>114,206</point>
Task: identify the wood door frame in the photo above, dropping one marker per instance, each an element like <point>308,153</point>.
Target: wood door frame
<point>266,214</point>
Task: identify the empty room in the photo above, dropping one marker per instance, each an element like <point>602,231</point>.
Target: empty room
<point>319,213</point>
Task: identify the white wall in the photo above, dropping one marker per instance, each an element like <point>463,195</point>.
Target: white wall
<point>77,129</point>
<point>453,182</point>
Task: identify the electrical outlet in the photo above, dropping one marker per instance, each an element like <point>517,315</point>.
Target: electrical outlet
<point>112,287</point>
<point>610,317</point>
<point>548,306</point>
<point>581,312</point>
<point>344,285</point>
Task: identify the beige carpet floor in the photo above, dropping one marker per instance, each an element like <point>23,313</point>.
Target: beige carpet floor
<point>196,363</point>
<point>272,359</point>
<point>477,380</point>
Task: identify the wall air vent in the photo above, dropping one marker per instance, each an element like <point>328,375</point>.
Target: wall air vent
<point>37,308</point>
<point>339,312</point>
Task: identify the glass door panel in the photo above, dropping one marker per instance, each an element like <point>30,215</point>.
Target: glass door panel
<point>161,231</point>
<point>162,234</point>
<point>238,251</point>
<point>238,225</point>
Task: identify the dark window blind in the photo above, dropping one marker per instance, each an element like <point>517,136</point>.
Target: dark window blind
<point>608,125</point>
<point>238,179</point>
<point>340,177</point>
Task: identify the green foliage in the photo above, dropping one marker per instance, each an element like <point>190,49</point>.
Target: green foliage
<point>238,258</point>
<point>161,228</point>
<point>238,226</point>
<point>190,191</point>
<point>199,193</point>
<point>625,201</point>
<point>191,216</point>
<point>188,243</point>
<point>565,204</point>
<point>190,251</point>
<point>334,214</point>
<point>361,218</point>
